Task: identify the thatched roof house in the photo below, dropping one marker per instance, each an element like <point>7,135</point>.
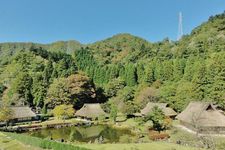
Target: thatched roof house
<point>169,112</point>
<point>22,113</point>
<point>202,117</point>
<point>92,111</point>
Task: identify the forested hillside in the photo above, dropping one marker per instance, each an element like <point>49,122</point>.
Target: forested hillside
<point>9,49</point>
<point>124,70</point>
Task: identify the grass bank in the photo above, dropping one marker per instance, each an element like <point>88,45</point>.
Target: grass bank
<point>7,143</point>
<point>43,143</point>
<point>141,146</point>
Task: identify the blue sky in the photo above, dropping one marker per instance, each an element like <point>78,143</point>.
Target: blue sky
<point>87,21</point>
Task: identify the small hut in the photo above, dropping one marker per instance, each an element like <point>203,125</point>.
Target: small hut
<point>202,117</point>
<point>23,113</point>
<point>91,111</point>
<point>169,112</point>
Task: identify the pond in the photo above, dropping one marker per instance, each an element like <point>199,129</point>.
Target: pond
<point>87,134</point>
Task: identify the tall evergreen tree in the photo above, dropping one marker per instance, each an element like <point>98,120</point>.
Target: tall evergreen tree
<point>178,69</point>
<point>200,80</point>
<point>131,76</point>
<point>47,74</point>
<point>140,72</point>
<point>22,85</point>
<point>149,73</point>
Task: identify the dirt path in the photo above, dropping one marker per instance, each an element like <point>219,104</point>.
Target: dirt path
<point>193,132</point>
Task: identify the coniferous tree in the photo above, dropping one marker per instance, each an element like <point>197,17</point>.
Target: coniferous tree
<point>149,73</point>
<point>140,72</point>
<point>22,85</point>
<point>200,80</point>
<point>167,71</point>
<point>39,90</point>
<point>47,74</point>
<point>131,77</point>
<point>178,69</point>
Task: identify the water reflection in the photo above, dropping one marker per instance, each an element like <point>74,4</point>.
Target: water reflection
<point>97,133</point>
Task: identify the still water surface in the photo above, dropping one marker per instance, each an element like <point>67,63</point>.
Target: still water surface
<point>95,133</point>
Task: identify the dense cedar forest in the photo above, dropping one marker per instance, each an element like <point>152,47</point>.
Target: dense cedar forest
<point>124,70</point>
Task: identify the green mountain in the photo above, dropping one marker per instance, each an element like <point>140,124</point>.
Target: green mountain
<point>9,49</point>
<point>176,72</point>
<point>125,70</point>
<point>116,48</point>
<point>205,39</point>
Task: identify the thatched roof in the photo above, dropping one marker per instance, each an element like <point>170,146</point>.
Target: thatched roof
<point>91,111</point>
<point>22,112</point>
<point>163,106</point>
<point>202,114</point>
<point>137,114</point>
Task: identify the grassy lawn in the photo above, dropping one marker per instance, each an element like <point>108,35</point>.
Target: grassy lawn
<point>6,143</point>
<point>132,124</point>
<point>142,146</point>
<point>58,121</point>
<point>51,122</point>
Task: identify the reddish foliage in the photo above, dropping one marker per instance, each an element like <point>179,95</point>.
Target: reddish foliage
<point>154,135</point>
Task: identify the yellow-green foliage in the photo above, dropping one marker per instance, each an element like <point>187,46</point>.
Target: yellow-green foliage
<point>5,113</point>
<point>63,111</point>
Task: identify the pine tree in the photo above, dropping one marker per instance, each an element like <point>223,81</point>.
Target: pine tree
<point>167,71</point>
<point>189,69</point>
<point>122,73</point>
<point>140,72</point>
<point>217,77</point>
<point>158,70</point>
<point>48,72</point>
<point>178,69</point>
<point>200,80</point>
<point>22,85</point>
<point>149,73</point>
<point>131,76</point>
